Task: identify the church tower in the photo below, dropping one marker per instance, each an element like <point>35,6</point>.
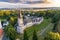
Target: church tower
<point>20,28</point>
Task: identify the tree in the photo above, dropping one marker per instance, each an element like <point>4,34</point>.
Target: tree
<point>52,36</point>
<point>49,13</point>
<point>57,27</point>
<point>55,18</point>
<point>13,20</point>
<point>10,32</point>
<point>35,36</point>
<point>1,13</point>
<point>7,12</point>
<point>25,36</point>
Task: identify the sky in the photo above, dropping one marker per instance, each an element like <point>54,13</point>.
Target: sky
<point>4,4</point>
<point>16,1</point>
<point>1,0</point>
<point>9,0</point>
<point>58,1</point>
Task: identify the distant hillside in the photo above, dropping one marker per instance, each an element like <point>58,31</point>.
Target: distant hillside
<point>51,8</point>
<point>7,8</point>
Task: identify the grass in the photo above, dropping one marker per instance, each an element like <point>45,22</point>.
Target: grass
<point>37,27</point>
<point>41,37</point>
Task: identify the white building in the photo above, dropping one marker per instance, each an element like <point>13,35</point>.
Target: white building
<point>0,25</point>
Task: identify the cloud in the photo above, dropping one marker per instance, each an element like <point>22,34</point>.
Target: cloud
<point>12,5</point>
<point>13,1</point>
<point>20,5</point>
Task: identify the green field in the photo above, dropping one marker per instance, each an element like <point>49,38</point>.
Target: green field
<point>38,27</point>
<point>49,29</point>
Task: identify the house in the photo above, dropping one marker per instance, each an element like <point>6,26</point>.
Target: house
<point>4,23</point>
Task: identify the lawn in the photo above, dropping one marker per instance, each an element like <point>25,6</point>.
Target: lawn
<point>37,27</point>
<point>50,28</point>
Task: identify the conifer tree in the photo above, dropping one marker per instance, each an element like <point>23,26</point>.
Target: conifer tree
<point>25,36</point>
<point>35,36</point>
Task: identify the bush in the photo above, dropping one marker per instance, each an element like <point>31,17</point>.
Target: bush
<point>52,36</point>
<point>10,32</point>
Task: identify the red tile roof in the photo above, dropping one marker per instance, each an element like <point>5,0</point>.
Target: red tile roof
<point>1,32</point>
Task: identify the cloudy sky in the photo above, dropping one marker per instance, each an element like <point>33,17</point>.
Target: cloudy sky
<point>26,0</point>
<point>21,0</point>
<point>18,0</point>
<point>18,4</point>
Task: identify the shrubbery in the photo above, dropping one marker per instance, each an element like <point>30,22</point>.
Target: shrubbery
<point>52,36</point>
<point>10,32</point>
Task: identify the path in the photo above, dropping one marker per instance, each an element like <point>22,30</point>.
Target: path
<point>43,30</point>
